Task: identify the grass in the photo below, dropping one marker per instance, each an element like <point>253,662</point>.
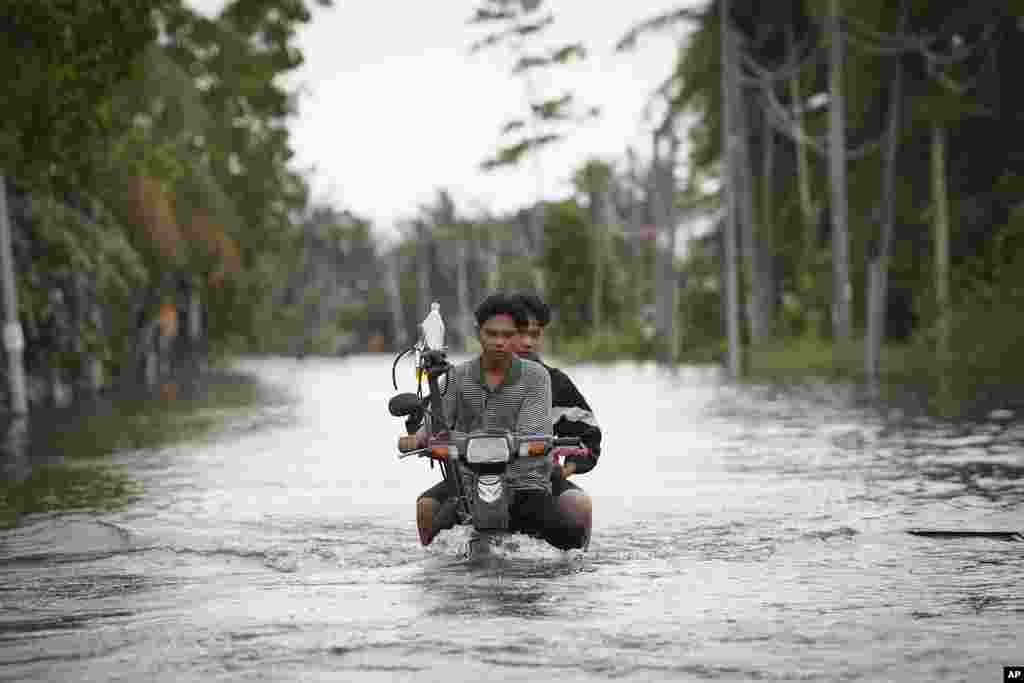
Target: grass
<point>807,357</point>
<point>968,387</point>
<point>76,443</point>
<point>983,375</point>
<point>66,487</point>
<point>179,412</point>
<point>605,347</point>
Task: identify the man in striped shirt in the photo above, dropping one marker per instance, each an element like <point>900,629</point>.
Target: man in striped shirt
<point>500,390</point>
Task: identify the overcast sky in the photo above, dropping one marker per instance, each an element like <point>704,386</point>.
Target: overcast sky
<point>394,107</point>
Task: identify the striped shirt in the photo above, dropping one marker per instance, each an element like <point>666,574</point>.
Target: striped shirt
<point>521,404</point>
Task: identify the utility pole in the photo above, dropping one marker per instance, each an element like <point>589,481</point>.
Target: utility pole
<point>14,340</point>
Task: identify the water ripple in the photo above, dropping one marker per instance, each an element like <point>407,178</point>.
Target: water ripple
<point>741,533</point>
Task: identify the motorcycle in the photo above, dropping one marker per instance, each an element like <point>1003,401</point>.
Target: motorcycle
<point>475,465</point>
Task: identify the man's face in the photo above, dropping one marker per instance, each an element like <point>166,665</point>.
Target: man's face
<point>531,338</point>
<point>499,336</point>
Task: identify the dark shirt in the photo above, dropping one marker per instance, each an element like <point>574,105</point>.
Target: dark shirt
<point>571,415</point>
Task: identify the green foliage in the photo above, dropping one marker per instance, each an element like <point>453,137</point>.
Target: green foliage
<point>513,154</point>
<point>69,241</point>
<point>699,314</point>
<point>516,22</point>
<point>952,63</point>
<point>59,63</point>
<point>570,273</point>
<point>656,23</point>
<point>65,241</point>
<point>317,293</point>
<point>515,272</point>
<point>170,130</point>
<point>568,263</point>
<point>628,343</point>
<point>695,82</point>
<point>800,358</point>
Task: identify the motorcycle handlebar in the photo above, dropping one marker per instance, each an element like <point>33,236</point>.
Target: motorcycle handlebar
<point>555,442</point>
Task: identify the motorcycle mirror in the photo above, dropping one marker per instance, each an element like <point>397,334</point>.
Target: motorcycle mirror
<point>404,404</point>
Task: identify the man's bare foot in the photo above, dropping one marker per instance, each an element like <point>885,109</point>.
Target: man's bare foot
<point>425,510</point>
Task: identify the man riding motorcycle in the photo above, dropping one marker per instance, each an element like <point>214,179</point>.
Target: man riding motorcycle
<point>500,390</point>
<point>571,415</point>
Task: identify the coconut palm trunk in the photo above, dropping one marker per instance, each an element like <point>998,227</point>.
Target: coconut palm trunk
<point>941,199</point>
<point>598,226</point>
<point>878,266</point>
<point>758,287</point>
<point>729,196</point>
<point>803,173</point>
<point>463,314</point>
<point>392,284</point>
<point>665,224</point>
<point>14,341</point>
<point>423,269</point>
<point>842,328</point>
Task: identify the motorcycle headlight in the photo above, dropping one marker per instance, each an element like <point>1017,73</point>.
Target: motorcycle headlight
<point>487,449</point>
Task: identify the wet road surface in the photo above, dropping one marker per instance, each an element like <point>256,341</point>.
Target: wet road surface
<point>740,533</point>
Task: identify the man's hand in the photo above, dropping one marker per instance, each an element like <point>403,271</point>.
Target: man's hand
<point>562,452</point>
<point>411,442</point>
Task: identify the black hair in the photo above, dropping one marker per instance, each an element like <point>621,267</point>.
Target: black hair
<point>535,307</point>
<point>501,303</point>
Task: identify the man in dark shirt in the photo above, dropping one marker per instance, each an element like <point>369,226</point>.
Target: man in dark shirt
<point>571,415</point>
<point>500,390</point>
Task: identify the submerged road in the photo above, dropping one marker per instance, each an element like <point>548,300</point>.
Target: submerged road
<point>740,533</point>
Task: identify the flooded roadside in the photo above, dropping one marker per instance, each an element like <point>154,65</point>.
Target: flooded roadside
<point>60,459</point>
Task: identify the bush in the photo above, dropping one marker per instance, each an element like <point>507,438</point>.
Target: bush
<point>629,344</point>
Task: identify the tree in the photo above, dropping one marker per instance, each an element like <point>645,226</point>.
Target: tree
<point>666,217</point>
<point>698,82</point>
<point>842,290</point>
<point>60,62</point>
<point>729,253</point>
<point>237,61</point>
<point>547,119</point>
<point>455,236</point>
<point>755,242</point>
<point>568,263</point>
<point>881,253</point>
<point>593,180</point>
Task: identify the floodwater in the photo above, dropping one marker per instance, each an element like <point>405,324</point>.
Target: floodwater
<point>740,533</point>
